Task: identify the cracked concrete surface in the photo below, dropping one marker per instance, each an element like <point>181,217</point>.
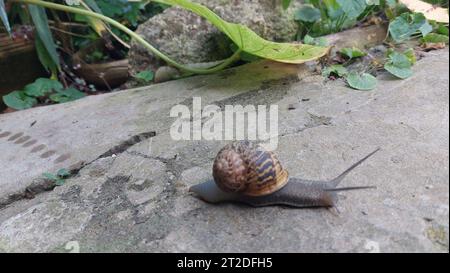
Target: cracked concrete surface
<point>131,192</point>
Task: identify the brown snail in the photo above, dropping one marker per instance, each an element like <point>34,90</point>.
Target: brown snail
<point>249,174</point>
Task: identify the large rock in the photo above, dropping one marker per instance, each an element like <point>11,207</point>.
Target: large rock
<point>188,38</point>
<point>131,194</point>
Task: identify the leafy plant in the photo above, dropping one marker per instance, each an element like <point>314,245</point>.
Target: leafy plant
<point>318,18</point>
<point>308,14</point>
<point>399,65</point>
<point>362,81</point>
<point>248,41</point>
<point>408,24</point>
<point>145,76</point>
<point>41,90</point>
<point>319,41</point>
<point>59,178</point>
<point>336,70</point>
<point>435,38</point>
<point>352,52</point>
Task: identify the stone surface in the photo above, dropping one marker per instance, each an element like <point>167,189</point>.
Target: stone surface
<point>134,197</point>
<point>187,38</point>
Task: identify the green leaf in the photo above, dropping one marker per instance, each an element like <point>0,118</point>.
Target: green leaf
<point>40,21</point>
<point>435,38</point>
<point>19,101</point>
<point>309,40</point>
<point>399,65</point>
<point>4,16</point>
<point>391,3</point>
<point>57,179</point>
<point>307,13</point>
<point>250,42</point>
<point>146,76</point>
<point>364,81</point>
<point>286,3</point>
<point>66,95</point>
<point>425,28</point>
<point>407,24</point>
<point>63,173</point>
<point>246,57</point>
<point>93,5</point>
<point>320,41</point>
<point>373,2</point>
<point>352,52</point>
<point>352,8</point>
<point>42,87</point>
<point>411,55</point>
<point>44,57</point>
<point>335,69</point>
<point>334,10</point>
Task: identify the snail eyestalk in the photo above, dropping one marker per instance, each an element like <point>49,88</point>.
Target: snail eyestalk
<point>134,36</point>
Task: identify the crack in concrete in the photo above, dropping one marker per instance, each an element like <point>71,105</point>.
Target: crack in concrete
<point>41,185</point>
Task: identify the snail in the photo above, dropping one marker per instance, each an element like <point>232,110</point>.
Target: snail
<point>247,173</point>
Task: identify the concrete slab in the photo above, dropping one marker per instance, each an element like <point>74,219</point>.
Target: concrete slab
<point>133,197</point>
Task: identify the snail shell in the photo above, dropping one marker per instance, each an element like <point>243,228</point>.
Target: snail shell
<point>242,167</point>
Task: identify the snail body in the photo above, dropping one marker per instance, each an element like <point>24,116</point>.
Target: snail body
<point>247,173</point>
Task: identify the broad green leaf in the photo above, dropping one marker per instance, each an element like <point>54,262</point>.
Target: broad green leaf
<point>66,95</point>
<point>40,21</point>
<point>352,8</point>
<point>391,3</point>
<point>19,101</point>
<point>364,81</point>
<point>250,42</point>
<point>307,13</point>
<point>4,16</point>
<point>435,38</point>
<point>335,69</point>
<point>352,52</point>
<point>146,76</point>
<point>286,3</point>
<point>42,87</point>
<point>407,24</point>
<point>246,57</point>
<point>399,65</point>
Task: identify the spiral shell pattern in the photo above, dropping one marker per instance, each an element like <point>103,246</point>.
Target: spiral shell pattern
<point>242,167</point>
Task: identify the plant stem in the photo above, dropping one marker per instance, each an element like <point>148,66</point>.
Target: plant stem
<point>134,36</point>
